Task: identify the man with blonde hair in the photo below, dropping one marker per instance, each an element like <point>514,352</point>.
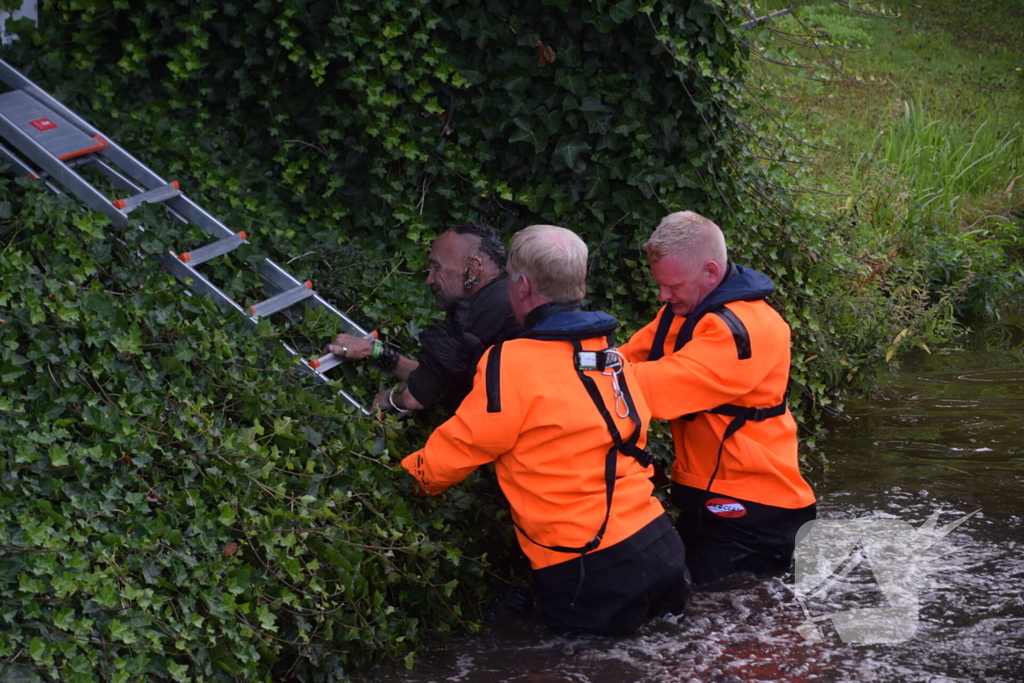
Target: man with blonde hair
<point>553,411</point>
<point>715,362</point>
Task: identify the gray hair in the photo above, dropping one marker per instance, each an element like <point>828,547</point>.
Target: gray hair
<point>690,238</point>
<point>553,258</point>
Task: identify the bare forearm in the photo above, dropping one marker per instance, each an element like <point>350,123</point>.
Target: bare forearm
<point>405,367</point>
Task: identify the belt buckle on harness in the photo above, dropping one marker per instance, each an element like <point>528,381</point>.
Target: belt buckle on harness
<point>759,415</point>
<point>612,361</point>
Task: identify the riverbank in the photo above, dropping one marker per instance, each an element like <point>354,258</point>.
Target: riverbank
<point>906,145</point>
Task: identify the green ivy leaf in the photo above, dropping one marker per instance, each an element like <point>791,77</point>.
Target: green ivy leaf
<point>573,82</point>
<point>570,151</point>
<point>538,138</point>
<point>621,11</point>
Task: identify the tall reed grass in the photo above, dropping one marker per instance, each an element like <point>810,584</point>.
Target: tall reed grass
<point>945,164</point>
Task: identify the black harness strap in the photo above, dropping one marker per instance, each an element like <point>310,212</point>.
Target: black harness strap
<point>661,334</point>
<point>740,416</point>
<point>492,376</point>
<point>736,326</point>
<point>627,447</point>
<point>738,329</point>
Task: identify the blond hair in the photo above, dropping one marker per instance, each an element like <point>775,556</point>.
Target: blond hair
<point>690,238</point>
<point>553,258</point>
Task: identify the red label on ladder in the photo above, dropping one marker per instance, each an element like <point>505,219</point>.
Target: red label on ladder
<point>43,124</point>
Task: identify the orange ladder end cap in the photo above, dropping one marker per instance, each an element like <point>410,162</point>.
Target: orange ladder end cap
<point>375,335</point>
<point>118,204</point>
<point>242,235</point>
<point>177,185</point>
<point>315,363</point>
<point>252,309</point>
<point>184,258</point>
<point>309,284</point>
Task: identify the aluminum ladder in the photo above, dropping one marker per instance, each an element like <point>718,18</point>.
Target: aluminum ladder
<point>50,141</point>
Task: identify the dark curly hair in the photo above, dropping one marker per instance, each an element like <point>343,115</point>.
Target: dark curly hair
<point>491,244</point>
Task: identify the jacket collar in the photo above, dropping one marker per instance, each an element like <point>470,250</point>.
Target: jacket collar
<point>567,322</point>
<point>547,310</point>
<point>461,310</point>
<point>740,284</point>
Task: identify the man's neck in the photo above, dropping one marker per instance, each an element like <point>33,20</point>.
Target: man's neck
<point>485,278</point>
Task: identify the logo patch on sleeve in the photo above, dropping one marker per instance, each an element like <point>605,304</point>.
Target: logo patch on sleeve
<point>725,507</point>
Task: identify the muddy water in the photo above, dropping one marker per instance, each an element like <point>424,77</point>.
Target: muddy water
<point>945,436</point>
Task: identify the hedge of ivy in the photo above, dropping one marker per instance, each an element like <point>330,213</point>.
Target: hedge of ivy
<point>380,122</point>
<point>175,502</point>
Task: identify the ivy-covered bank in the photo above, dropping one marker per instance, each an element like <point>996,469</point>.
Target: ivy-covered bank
<point>177,504</point>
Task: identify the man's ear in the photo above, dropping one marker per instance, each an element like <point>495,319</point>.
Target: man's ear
<point>525,286</point>
<point>520,287</point>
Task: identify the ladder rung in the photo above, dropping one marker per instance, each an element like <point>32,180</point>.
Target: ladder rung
<point>213,250</point>
<point>326,362</point>
<point>157,194</point>
<point>74,163</point>
<point>331,360</point>
<point>285,299</point>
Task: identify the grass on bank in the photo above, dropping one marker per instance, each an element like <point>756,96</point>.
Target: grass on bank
<point>962,63</point>
<point>946,166</point>
<point>912,119</point>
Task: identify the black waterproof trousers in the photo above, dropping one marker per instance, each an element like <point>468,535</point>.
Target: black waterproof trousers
<point>620,587</point>
<point>725,534</point>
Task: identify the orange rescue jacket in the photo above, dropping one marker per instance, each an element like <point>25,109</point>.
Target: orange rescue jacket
<point>740,358</point>
<point>531,415</point>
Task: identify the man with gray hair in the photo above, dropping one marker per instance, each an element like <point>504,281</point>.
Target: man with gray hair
<point>552,409</point>
<point>715,362</point>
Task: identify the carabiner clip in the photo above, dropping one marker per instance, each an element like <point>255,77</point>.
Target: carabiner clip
<point>613,371</point>
<point>621,407</point>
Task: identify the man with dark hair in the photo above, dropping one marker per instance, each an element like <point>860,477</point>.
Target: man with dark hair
<point>467,277</point>
<point>553,410</point>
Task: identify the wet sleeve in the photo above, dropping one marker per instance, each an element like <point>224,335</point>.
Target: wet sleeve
<point>704,374</point>
<point>472,437</point>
